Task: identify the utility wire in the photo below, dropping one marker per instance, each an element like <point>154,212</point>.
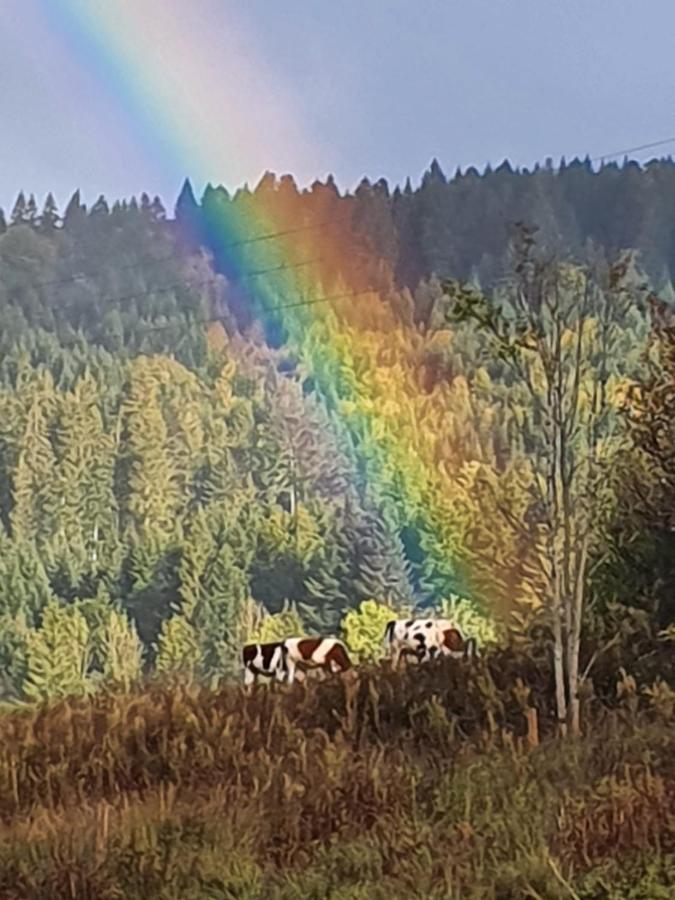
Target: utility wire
<point>265,237</point>
<point>80,276</point>
<point>212,320</point>
<point>662,143</point>
<point>148,260</point>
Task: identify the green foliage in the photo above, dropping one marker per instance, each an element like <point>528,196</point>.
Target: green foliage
<point>121,651</point>
<point>13,657</point>
<point>57,654</point>
<point>278,626</point>
<point>181,479</point>
<point>472,621</point>
<point>363,629</point>
<point>178,653</point>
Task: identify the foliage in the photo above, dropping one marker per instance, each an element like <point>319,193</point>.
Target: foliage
<point>57,654</point>
<point>178,649</point>
<point>192,479</point>
<point>471,621</point>
<point>363,629</point>
<point>278,626</point>
<point>121,651</point>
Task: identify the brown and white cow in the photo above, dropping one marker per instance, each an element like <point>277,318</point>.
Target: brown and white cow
<point>289,659</point>
<point>453,643</point>
<point>305,653</point>
<point>265,659</point>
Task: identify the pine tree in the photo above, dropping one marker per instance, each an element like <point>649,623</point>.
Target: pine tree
<point>31,211</point>
<point>19,211</point>
<point>49,220</point>
<point>188,216</point>
<point>13,656</point>
<point>178,652</point>
<point>75,216</point>
<point>35,510</point>
<point>57,655</point>
<point>121,651</point>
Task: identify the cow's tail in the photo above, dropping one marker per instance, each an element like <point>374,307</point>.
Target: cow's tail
<point>389,632</point>
<point>283,662</point>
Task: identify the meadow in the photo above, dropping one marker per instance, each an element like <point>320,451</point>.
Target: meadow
<point>448,781</point>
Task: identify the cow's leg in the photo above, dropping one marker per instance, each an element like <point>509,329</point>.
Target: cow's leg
<point>290,671</point>
<point>249,677</point>
<point>395,656</point>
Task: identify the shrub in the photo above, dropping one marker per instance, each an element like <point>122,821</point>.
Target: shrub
<point>363,629</point>
<point>278,626</point>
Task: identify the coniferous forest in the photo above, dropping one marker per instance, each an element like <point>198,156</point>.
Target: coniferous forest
<point>463,401</point>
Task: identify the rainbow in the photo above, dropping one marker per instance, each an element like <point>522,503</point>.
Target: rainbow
<point>161,71</point>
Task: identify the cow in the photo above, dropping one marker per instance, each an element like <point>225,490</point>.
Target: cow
<point>305,653</point>
<point>268,659</point>
<point>413,637</point>
<point>453,643</point>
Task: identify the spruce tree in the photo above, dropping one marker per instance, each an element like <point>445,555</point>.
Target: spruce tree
<point>57,655</point>
<point>49,219</point>
<point>19,211</point>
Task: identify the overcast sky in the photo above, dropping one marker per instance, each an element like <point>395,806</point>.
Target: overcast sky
<point>366,87</point>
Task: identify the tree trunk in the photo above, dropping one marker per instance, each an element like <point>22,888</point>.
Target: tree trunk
<point>575,640</point>
<point>559,667</point>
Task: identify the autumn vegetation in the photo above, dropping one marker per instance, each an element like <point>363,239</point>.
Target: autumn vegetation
<point>480,430</point>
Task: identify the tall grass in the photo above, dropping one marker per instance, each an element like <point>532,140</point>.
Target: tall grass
<point>430,783</point>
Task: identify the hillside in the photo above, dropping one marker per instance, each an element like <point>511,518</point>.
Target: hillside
<point>192,440</point>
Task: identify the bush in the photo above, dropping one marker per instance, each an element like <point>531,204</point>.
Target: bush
<point>278,626</point>
<point>363,629</point>
<point>471,621</point>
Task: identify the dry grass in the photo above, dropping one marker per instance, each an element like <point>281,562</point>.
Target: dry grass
<point>422,784</point>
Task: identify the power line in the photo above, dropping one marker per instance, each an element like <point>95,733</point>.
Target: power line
<point>277,308</point>
<point>265,237</point>
<point>148,260</point>
<point>669,140</point>
<point>68,279</point>
<point>330,298</point>
<point>212,279</point>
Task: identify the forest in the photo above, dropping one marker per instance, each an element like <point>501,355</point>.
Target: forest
<point>295,411</point>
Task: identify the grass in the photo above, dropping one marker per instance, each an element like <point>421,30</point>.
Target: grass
<point>418,785</point>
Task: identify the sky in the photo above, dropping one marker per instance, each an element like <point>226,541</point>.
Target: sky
<point>116,97</point>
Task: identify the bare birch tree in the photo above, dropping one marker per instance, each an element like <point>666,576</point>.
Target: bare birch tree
<point>558,328</point>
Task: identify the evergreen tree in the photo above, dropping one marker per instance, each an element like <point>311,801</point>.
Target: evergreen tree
<point>57,655</point>
<point>121,651</point>
<point>74,218</point>
<point>31,211</point>
<point>19,211</point>
<point>49,219</point>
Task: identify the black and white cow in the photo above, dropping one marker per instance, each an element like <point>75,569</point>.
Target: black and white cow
<point>268,660</point>
<point>412,637</point>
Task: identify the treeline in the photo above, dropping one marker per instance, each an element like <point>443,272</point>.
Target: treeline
<point>454,226</point>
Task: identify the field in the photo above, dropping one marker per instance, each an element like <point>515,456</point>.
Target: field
<point>443,783</point>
